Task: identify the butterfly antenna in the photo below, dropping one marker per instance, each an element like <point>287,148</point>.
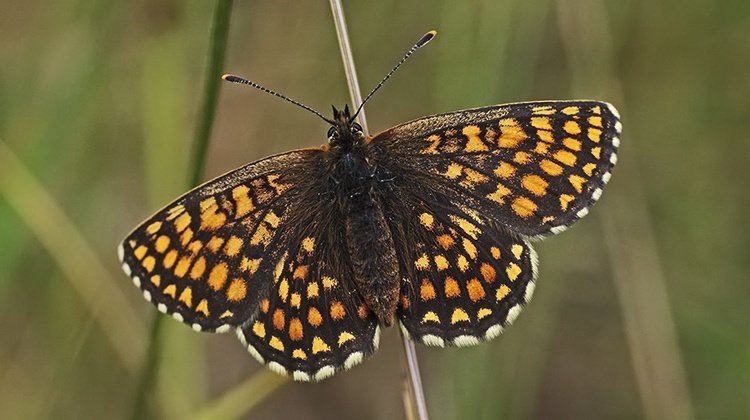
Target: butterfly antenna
<point>421,43</point>
<point>241,80</point>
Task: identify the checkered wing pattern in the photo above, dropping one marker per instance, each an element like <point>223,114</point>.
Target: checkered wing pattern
<point>469,279</point>
<point>313,323</point>
<point>534,168</point>
<point>206,259</point>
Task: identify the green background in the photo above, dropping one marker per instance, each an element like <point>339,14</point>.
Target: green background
<point>641,310</point>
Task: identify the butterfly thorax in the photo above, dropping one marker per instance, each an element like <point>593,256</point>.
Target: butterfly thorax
<point>354,179</point>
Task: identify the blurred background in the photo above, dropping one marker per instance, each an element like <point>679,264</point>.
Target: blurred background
<point>641,310</point>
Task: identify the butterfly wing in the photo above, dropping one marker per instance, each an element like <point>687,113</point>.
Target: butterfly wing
<point>314,322</point>
<point>464,278</point>
<point>534,168</point>
<point>258,249</point>
<point>207,258</point>
<point>467,190</point>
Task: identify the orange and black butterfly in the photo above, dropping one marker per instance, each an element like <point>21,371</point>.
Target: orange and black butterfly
<point>428,224</point>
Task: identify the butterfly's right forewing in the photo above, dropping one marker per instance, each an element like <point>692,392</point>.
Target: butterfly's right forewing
<point>534,168</point>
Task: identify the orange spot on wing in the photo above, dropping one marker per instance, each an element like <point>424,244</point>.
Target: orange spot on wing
<point>441,262</point>
<point>337,310</point>
<point>275,343</point>
<point>596,121</point>
<point>521,157</point>
<point>242,200</point>
<point>535,184</point>
<point>594,134</point>
<point>475,290</point>
<point>215,243</point>
<point>250,265</point>
<point>445,241</point>
<point>259,329</point>
<point>295,329</point>
<point>312,290</point>
<point>505,170</point>
<point>572,144</point>
<point>499,194</point>
<point>459,315</point>
<point>233,246</point>
<point>161,244</point>
<point>182,266</point>
<point>140,252</point>
<point>318,345</point>
<point>572,127</point>
<point>211,217</point>
<point>153,227</point>
<point>488,272</point>
<point>577,182</point>
<point>550,168</point>
<point>295,300</point>
<point>565,200</point>
<point>588,168</point>
<point>523,207</point>
<point>300,273</point>
<point>430,316</point>
<point>171,290</point>
<point>565,157</point>
<point>198,268</point>
<point>495,252</point>
<point>502,292</point>
<point>473,143</point>
<point>264,305</point>
<point>427,220</point>
<point>279,319</point>
<point>186,297</point>
<point>511,133</point>
<point>542,123</point>
<point>202,307</point>
<point>149,263</point>
<point>182,222</point>
<point>452,290</point>
<point>170,259</point>
<point>513,271</point>
<point>426,291</point>
<point>314,317</point>
<point>218,276</point>
<point>345,337</point>
<point>237,290</point>
<point>483,313</point>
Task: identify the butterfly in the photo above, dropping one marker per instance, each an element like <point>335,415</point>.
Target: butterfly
<point>428,225</point>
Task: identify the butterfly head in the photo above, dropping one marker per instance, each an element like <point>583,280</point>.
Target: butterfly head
<point>344,131</point>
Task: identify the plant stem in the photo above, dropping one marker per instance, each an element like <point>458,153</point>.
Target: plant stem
<point>414,394</point>
<point>218,44</point>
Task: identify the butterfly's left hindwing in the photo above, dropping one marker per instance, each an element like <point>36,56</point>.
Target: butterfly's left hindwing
<point>206,258</point>
<point>314,322</point>
<point>534,168</point>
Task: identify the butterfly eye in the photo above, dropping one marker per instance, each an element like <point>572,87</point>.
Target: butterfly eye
<point>332,133</point>
<point>356,128</point>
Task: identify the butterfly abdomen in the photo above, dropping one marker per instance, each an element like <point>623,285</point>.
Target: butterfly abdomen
<point>368,237</point>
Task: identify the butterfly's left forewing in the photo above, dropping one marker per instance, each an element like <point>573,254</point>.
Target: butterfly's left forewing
<point>534,168</point>
<point>206,258</point>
